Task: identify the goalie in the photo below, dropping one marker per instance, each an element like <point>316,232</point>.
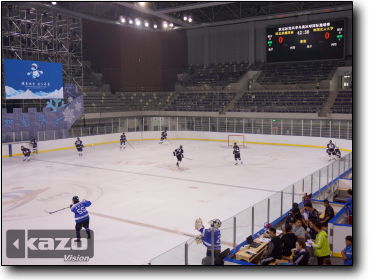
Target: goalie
<point>207,238</point>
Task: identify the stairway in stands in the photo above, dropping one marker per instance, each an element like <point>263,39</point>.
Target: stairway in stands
<point>328,104</point>
<point>231,104</point>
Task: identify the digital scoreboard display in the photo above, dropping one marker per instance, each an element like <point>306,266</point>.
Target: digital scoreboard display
<point>311,41</point>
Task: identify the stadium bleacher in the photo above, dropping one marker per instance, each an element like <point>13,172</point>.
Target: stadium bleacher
<point>229,72</point>
<point>281,101</point>
<point>146,101</point>
<point>203,101</point>
<point>343,103</point>
<point>95,102</point>
<point>296,72</point>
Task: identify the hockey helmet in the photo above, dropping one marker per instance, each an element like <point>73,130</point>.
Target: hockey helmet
<point>22,147</point>
<point>330,141</point>
<point>34,66</point>
<point>78,138</point>
<point>235,143</point>
<point>123,133</point>
<point>216,223</point>
<point>75,199</point>
<point>180,146</point>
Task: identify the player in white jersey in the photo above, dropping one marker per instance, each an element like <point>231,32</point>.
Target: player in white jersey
<point>179,153</point>
<point>330,149</point>
<point>236,153</point>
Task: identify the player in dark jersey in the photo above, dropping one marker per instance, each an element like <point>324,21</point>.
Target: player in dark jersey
<point>123,140</point>
<point>236,153</point>
<point>330,149</point>
<point>34,145</point>
<point>163,136</point>
<point>179,153</point>
<point>26,152</point>
<point>79,146</point>
<point>337,153</point>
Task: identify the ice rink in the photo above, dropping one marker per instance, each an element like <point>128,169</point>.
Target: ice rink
<point>139,196</point>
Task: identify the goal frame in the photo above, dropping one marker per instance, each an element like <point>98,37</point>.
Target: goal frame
<point>231,142</point>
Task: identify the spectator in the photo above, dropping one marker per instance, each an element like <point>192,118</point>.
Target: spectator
<point>287,132</point>
<point>274,250</point>
<point>289,239</point>
<point>219,261</point>
<point>293,215</point>
<point>318,85</point>
<point>311,229</point>
<point>348,205</point>
<point>218,77</point>
<point>347,252</point>
<point>301,256</point>
<point>305,199</point>
<point>137,128</point>
<point>326,261</point>
<point>321,246</point>
<point>299,230</point>
<point>329,214</point>
<point>258,131</point>
<point>313,213</point>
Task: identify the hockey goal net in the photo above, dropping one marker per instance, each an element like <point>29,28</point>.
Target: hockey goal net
<point>238,139</point>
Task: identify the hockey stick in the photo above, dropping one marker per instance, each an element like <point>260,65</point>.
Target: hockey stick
<point>188,158</point>
<point>57,210</point>
<point>130,145</point>
<point>168,140</point>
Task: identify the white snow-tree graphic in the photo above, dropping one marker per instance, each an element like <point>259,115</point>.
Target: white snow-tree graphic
<point>68,115</point>
<point>78,106</point>
<point>70,99</point>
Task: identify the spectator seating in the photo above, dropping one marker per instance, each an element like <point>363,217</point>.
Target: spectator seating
<point>281,101</point>
<point>227,73</point>
<point>206,102</point>
<point>343,103</point>
<point>96,102</point>
<point>296,72</point>
<point>146,101</point>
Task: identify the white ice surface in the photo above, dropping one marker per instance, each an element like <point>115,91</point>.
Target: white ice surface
<point>139,195</point>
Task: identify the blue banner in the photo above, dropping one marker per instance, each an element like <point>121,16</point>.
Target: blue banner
<point>25,79</point>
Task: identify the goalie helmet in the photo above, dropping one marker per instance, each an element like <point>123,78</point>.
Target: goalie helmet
<point>75,199</point>
<point>216,223</point>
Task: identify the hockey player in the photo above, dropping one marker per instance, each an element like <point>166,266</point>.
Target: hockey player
<point>79,146</point>
<point>330,149</point>
<point>236,153</point>
<point>207,238</point>
<point>123,140</point>
<point>163,136</point>
<point>179,153</point>
<point>337,153</point>
<point>81,216</point>
<point>34,144</point>
<point>26,152</point>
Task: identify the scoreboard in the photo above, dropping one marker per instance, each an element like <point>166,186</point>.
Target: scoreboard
<point>311,41</point>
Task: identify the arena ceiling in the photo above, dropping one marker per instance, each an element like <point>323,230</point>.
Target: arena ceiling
<point>201,13</point>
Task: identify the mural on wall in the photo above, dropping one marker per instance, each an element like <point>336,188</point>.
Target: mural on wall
<point>55,116</point>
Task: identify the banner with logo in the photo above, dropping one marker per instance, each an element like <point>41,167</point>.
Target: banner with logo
<point>25,79</point>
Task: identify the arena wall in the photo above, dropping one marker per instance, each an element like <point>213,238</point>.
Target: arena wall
<point>262,139</point>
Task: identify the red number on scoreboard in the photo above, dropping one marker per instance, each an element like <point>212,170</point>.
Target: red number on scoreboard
<point>280,40</point>
<point>327,35</point>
